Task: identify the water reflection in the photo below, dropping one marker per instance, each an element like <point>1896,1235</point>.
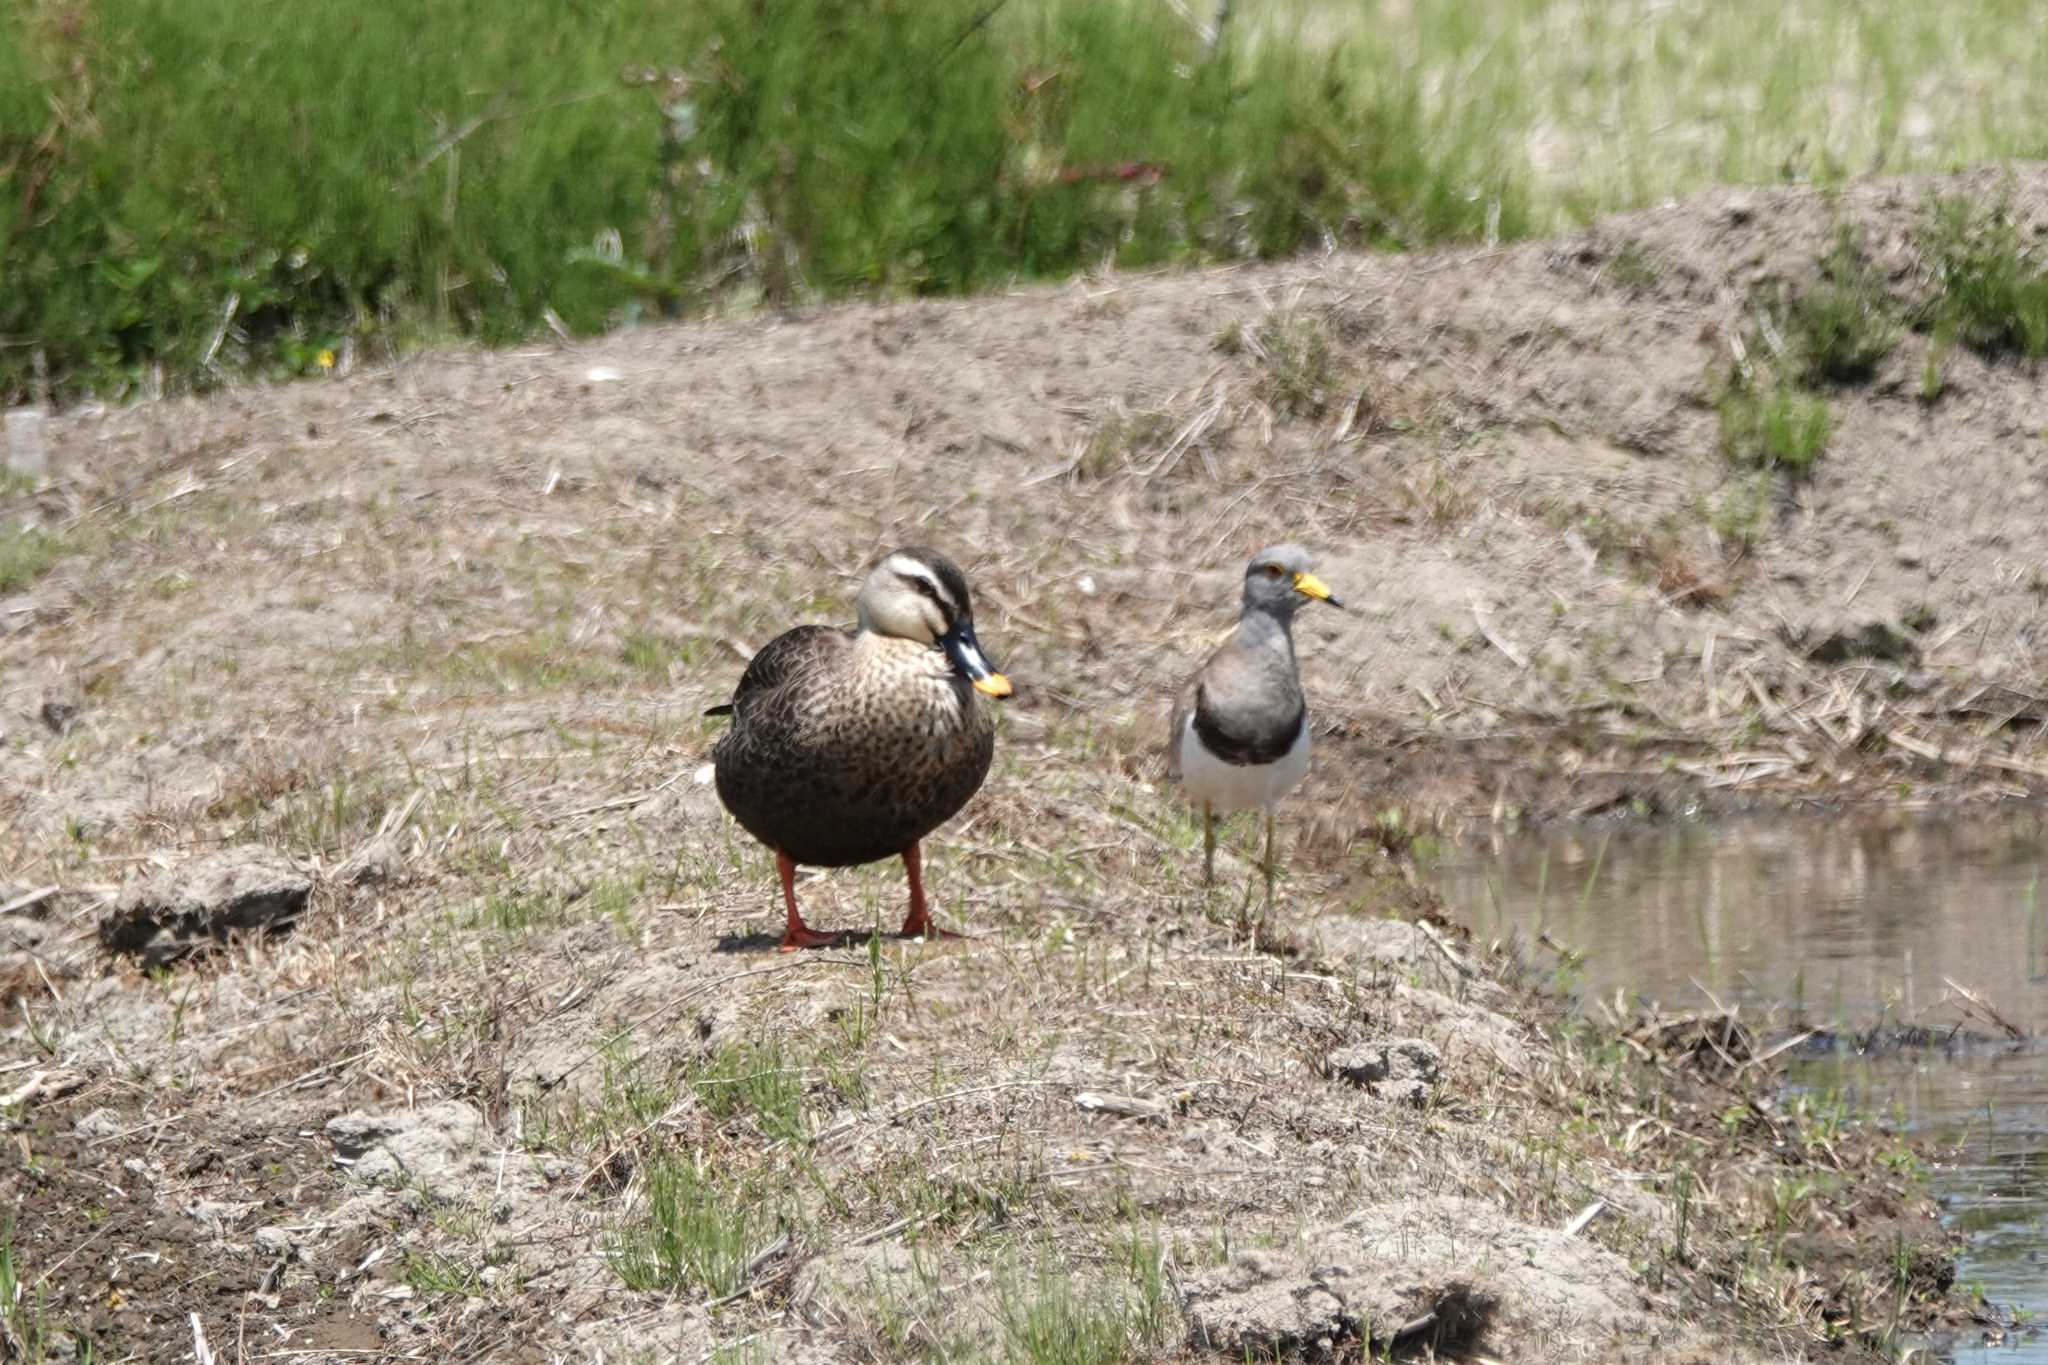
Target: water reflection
<point>1986,1111</point>
<point>1860,920</point>
<point>1857,922</point>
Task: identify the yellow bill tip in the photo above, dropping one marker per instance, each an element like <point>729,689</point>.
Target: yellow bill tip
<point>994,685</point>
<point>1308,585</point>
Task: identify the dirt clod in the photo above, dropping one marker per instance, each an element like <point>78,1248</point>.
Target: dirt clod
<point>202,902</point>
<point>432,1146</point>
<point>1403,1071</point>
<point>380,859</point>
<point>1471,1277</point>
<point>1841,643</point>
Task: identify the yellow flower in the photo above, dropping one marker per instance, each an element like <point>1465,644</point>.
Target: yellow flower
<point>325,360</point>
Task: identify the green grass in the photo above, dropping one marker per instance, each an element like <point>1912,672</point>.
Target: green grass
<point>196,190</point>
<point>1297,367</point>
<point>1604,105</point>
<point>760,1082</point>
<point>25,1335</point>
<point>1994,285</point>
<point>691,1230</point>
<point>1052,1320</point>
<point>1772,422</point>
<point>1846,325</point>
<point>1058,1325</point>
<point>196,186</point>
<point>434,1274</point>
<point>652,654</point>
<point>25,556</point>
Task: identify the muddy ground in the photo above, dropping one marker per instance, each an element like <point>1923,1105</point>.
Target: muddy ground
<point>440,635</point>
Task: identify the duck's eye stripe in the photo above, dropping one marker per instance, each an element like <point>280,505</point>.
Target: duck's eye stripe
<point>925,586</point>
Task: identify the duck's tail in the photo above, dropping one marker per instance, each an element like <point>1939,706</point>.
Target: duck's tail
<point>724,710</point>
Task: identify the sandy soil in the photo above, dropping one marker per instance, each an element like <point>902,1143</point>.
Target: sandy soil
<point>441,634</point>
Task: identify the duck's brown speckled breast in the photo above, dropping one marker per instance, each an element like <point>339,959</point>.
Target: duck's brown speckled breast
<point>863,746</point>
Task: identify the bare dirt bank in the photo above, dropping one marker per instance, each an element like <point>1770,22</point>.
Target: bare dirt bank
<point>441,636</point>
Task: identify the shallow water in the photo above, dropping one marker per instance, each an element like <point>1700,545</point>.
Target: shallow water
<point>1856,922</point>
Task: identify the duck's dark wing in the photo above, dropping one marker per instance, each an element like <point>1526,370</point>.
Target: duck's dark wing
<point>780,659</point>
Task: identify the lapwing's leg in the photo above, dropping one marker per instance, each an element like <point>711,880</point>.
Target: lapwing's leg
<point>797,934</point>
<point>918,923</point>
<point>1269,861</point>
<point>1208,844</point>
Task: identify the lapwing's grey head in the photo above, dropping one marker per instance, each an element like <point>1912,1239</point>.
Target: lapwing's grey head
<point>919,594</point>
<point>1278,581</point>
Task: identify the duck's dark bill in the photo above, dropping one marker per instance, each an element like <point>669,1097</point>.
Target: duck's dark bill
<point>971,663</point>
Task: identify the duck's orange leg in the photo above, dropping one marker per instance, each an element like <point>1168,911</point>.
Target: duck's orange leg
<point>798,934</point>
<point>918,923</point>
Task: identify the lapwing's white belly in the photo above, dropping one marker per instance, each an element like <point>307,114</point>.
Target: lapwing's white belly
<point>1233,786</point>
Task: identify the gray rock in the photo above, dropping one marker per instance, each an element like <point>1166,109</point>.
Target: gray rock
<point>199,903</point>
<point>1269,1302</point>
<point>26,447</point>
<point>1380,945</point>
<point>1467,1032</point>
<point>357,1131</point>
<point>101,1123</point>
<point>1839,642</point>
<point>1456,1274</point>
<point>379,860</point>
<point>275,1240</point>
<point>1403,1071</point>
<point>435,1146</point>
<point>21,932</point>
<point>217,1215</point>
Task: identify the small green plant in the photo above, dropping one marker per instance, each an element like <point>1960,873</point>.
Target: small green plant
<point>1934,365</point>
<point>1297,366</point>
<point>760,1081</point>
<point>432,1273</point>
<point>690,1230</point>
<point>1739,515</point>
<point>749,1351</point>
<point>1681,1214</point>
<point>25,556</point>
<point>1121,440</point>
<point>1057,1324</point>
<point>336,815</point>
<point>1994,286</point>
<point>634,1092</point>
<point>1145,1261</point>
<point>1787,1198</point>
<point>1774,423</point>
<point>1631,270</point>
<point>517,909</point>
<point>1842,329</point>
<point>23,1335</point>
<point>646,653</point>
